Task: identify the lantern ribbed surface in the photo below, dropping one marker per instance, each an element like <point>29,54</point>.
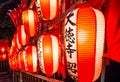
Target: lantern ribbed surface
<point>17,43</point>
<point>30,21</point>
<point>84,41</point>
<point>22,37</point>
<point>31,58</point>
<point>48,53</point>
<point>48,9</point>
<point>23,61</point>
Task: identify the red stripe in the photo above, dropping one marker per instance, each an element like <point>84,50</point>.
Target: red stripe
<point>29,58</point>
<point>86,49</point>
<point>19,34</point>
<point>25,21</point>
<point>45,8</point>
<point>22,61</point>
<point>35,22</point>
<point>47,55</point>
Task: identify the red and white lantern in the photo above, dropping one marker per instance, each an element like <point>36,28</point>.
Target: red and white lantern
<point>23,61</point>
<point>48,9</point>
<point>12,64</point>
<point>17,43</point>
<point>22,37</point>
<point>4,56</point>
<point>84,43</point>
<point>30,21</point>
<point>13,49</point>
<point>17,62</point>
<point>48,53</point>
<point>31,58</point>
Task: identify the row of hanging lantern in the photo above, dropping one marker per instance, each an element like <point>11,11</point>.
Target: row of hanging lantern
<point>3,49</point>
<point>83,38</point>
<point>3,53</point>
<point>25,60</point>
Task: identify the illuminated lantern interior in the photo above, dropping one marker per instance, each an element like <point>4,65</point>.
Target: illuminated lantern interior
<point>17,64</point>
<point>17,43</point>
<point>3,50</point>
<point>48,53</point>
<point>48,9</point>
<point>23,61</point>
<point>4,57</point>
<point>13,48</point>
<point>22,37</point>
<point>31,58</point>
<point>3,46</point>
<point>84,41</point>
<point>12,64</point>
<point>30,21</point>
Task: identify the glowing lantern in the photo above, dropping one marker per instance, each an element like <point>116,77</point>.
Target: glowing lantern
<point>13,48</point>
<point>84,41</point>
<point>48,9</point>
<point>12,64</point>
<point>17,61</point>
<point>4,56</point>
<point>31,58</point>
<point>3,46</point>
<point>23,61</point>
<point>22,37</point>
<point>17,43</point>
<point>3,50</point>
<point>30,20</point>
<point>48,53</point>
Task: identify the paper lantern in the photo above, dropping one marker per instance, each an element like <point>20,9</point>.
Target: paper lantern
<point>31,58</point>
<point>13,48</point>
<point>84,41</point>
<point>16,62</point>
<point>4,57</point>
<point>12,64</point>
<point>30,21</point>
<point>17,43</point>
<point>3,46</point>
<point>3,50</point>
<point>22,37</point>
<point>48,9</point>
<point>48,53</point>
<point>23,61</point>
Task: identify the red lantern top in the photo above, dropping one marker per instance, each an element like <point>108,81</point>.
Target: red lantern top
<point>48,9</point>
